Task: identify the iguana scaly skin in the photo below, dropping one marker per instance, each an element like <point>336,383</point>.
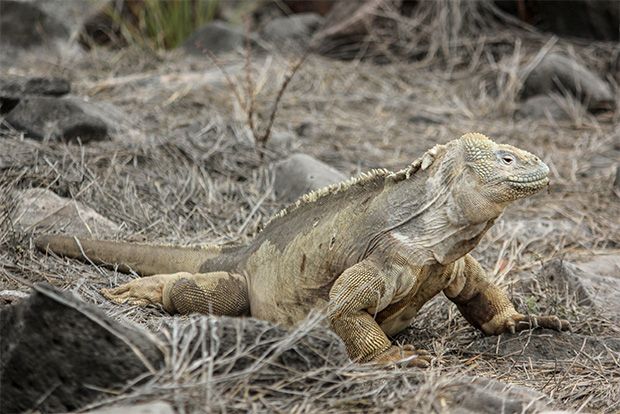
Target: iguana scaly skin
<point>368,252</point>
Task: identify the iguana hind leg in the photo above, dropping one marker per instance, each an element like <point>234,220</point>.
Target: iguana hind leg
<point>487,307</point>
<point>216,293</point>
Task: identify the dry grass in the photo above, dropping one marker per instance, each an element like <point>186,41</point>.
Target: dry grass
<point>183,169</point>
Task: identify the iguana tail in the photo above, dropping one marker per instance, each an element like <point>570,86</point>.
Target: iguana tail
<point>143,259</point>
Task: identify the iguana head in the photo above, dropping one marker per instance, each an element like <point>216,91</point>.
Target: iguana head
<point>446,200</point>
<point>472,180</point>
<point>502,173</point>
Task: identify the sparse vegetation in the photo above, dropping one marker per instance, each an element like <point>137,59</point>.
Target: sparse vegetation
<point>164,24</point>
<point>168,23</point>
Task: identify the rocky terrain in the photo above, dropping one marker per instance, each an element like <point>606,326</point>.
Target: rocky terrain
<point>177,146</point>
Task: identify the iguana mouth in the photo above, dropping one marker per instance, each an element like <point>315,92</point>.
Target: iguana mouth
<point>529,182</point>
<point>529,178</point>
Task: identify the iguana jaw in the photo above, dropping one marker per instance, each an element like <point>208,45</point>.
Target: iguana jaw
<point>515,187</point>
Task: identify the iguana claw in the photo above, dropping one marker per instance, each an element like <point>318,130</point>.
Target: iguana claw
<point>140,292</point>
<point>521,322</point>
<point>405,355</point>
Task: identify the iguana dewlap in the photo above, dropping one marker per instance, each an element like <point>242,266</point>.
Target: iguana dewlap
<point>369,252</point>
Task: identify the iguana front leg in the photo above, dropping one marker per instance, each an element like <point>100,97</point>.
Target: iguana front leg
<point>216,293</point>
<point>487,307</point>
<point>361,291</point>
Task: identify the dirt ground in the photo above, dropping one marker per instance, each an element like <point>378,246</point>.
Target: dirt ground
<point>182,168</point>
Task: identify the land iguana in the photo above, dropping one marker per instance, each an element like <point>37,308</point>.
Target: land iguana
<point>369,252</point>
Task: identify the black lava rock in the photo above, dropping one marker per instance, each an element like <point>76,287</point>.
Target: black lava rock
<point>56,119</point>
<point>59,352</point>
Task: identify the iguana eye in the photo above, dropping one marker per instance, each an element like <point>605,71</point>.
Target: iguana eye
<point>507,159</point>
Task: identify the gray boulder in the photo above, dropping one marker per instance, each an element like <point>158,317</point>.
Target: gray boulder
<point>307,129</point>
<point>607,265</point>
<point>557,73</point>
<point>71,13</point>
<point>542,107</point>
<point>216,37</point>
<point>13,88</point>
<point>480,395</point>
<point>59,353</point>
<point>116,119</point>
<point>595,281</point>
<point>42,210</point>
<point>294,30</point>
<point>17,86</point>
<point>281,140</point>
<point>300,173</point>
<point>588,19</point>
<point>42,117</point>
<point>155,407</point>
<point>23,25</point>
<point>426,117</point>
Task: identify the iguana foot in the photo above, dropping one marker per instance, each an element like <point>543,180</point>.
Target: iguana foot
<point>518,322</point>
<point>144,291</point>
<point>406,355</point>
